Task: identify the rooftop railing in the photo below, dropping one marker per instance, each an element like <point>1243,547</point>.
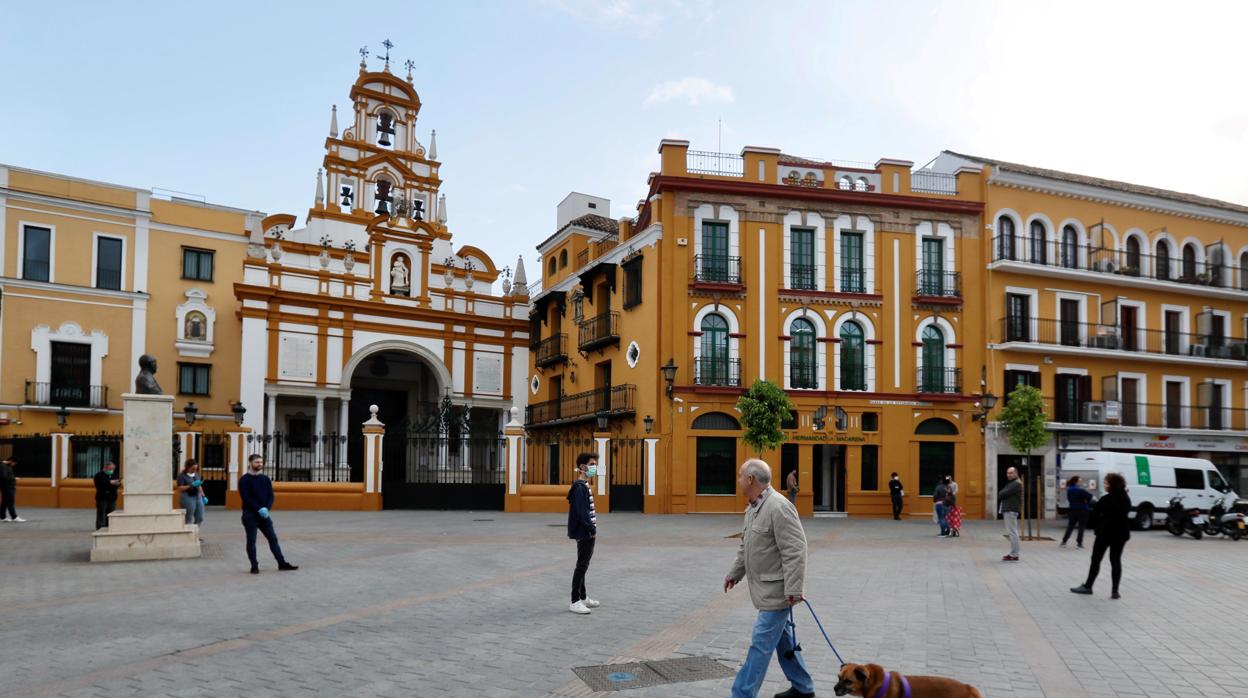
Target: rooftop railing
<point>711,163</point>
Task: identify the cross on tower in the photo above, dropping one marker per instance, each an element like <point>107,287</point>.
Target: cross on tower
<point>388,46</point>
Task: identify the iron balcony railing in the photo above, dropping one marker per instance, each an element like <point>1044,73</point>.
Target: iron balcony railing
<point>551,351</point>
<point>804,375</point>
<point>1093,335</point>
<point>716,268</point>
<point>66,395</point>
<point>614,401</point>
<point>938,283</point>
<point>1175,266</point>
<point>938,380</point>
<point>599,331</point>
<point>924,182</point>
<point>853,279</point>
<point>802,277</point>
<point>716,370</point>
<point>711,163</point>
<point>1150,415</point>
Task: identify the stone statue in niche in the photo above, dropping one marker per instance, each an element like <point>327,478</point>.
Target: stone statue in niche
<point>196,327</point>
<point>145,383</point>
<point>399,277</point>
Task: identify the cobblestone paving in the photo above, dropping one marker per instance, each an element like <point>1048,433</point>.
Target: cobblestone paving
<point>444,604</point>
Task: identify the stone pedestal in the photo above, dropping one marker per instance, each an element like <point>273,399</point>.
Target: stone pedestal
<point>148,528</point>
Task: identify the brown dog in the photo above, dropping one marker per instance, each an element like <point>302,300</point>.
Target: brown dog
<point>869,681</point>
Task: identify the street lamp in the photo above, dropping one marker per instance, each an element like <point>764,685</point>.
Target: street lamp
<point>189,413</point>
<point>669,374</point>
<point>649,422</point>
<point>985,404</point>
<point>238,411</point>
<point>602,420</point>
<point>62,416</point>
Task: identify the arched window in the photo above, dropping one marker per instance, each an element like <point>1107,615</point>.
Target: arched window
<point>845,182</point>
<point>1070,247</point>
<point>716,420</point>
<point>1005,238</point>
<point>1161,268</point>
<point>861,184</point>
<point>936,427</point>
<point>803,362</point>
<point>1243,271</point>
<point>712,368</point>
<point>853,357</point>
<point>932,372</point>
<point>563,259</point>
<point>1036,238</point>
<point>1188,273</point>
<point>551,268</point>
<point>1133,257</point>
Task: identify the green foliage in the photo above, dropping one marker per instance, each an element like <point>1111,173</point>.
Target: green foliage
<point>763,408</point>
<point>1023,419</point>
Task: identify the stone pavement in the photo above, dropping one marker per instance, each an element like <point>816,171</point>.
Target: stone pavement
<point>474,604</point>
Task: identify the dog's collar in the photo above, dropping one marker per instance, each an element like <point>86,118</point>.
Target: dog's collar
<point>888,677</point>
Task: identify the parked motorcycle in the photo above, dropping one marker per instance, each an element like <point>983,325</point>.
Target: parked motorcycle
<point>1226,518</point>
<point>1182,519</point>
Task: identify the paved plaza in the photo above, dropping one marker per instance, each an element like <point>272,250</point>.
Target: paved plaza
<point>475,604</point>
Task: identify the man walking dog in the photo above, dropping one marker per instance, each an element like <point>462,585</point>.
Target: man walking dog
<point>772,555</point>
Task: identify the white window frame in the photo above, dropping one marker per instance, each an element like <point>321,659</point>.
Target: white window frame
<point>723,213</point>
<point>950,337</point>
<point>1141,403</point>
<point>821,362</point>
<point>855,224</point>
<point>1186,415</point>
<point>1226,385</point>
<point>42,336</point>
<point>1141,316</point>
<point>734,328</point>
<point>996,233</point>
<point>798,219</point>
<point>95,258</point>
<point>21,249</point>
<point>1050,248</point>
<point>1033,304</point>
<point>1185,332</point>
<point>1082,298</point>
<point>868,335</point>
<point>1081,242</point>
<point>1146,252</point>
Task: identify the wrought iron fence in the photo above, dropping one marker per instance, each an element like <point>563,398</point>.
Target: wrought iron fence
<point>716,268</point>
<point>599,330</point>
<point>802,276</point>
<point>712,163</point>
<point>853,279</point>
<point>308,458</point>
<point>32,454</point>
<point>938,380</point>
<point>1094,335</point>
<point>551,457</point>
<point>716,370</point>
<point>66,395</point>
<point>89,452</point>
<point>551,350</point>
<point>615,400</point>
<point>1181,264</point>
<point>449,459</point>
<point>937,282</point>
<point>924,182</point>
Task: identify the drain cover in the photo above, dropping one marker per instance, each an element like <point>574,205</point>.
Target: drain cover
<point>621,677</point>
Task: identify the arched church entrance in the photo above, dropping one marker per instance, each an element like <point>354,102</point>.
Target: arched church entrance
<point>437,453</point>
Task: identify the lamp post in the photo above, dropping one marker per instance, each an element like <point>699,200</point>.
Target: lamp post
<point>649,423</point>
<point>669,374</point>
<point>238,410</point>
<point>62,416</point>
<point>189,412</point>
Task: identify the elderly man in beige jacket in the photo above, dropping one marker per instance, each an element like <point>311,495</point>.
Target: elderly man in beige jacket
<point>772,556</point>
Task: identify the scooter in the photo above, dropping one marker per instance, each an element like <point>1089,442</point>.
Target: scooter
<point>1181,519</point>
<point>1231,519</point>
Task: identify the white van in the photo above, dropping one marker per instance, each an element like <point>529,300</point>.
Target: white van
<point>1151,480</point>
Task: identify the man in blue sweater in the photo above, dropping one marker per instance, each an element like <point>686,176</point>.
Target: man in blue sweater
<point>256,491</point>
<point>582,528</point>
<point>1079,502</point>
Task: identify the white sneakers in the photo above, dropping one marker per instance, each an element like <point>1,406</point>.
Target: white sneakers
<point>579,607</point>
<point>17,520</point>
<point>590,603</point>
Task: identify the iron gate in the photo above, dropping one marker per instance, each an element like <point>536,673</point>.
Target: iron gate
<point>626,474</point>
<point>437,461</point>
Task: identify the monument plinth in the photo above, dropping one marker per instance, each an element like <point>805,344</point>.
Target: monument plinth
<point>147,527</point>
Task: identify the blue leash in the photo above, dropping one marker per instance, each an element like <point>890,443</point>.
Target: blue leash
<point>825,633</point>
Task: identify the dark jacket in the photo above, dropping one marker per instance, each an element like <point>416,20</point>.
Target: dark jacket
<point>894,489</point>
<point>939,494</point>
<point>256,491</point>
<point>1079,498</point>
<point>7,477</point>
<point>105,490</point>
<point>1111,517</point>
<point>1010,498</point>
<point>582,520</point>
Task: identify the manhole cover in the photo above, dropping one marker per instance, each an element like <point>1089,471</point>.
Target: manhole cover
<point>621,677</point>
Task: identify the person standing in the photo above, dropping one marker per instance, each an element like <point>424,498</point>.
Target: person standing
<point>1111,520</point>
<point>106,484</point>
<point>939,495</point>
<point>1078,505</point>
<point>191,493</point>
<point>1009,503</point>
<point>896,492</point>
<point>953,513</point>
<point>256,491</point>
<point>8,491</point>
<point>582,528</point>
<point>790,484</point>
<point>772,555</point>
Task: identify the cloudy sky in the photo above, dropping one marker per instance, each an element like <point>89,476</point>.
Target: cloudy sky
<point>531,100</point>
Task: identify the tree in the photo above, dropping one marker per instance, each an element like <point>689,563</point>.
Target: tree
<point>1023,420</point>
<point>763,408</point>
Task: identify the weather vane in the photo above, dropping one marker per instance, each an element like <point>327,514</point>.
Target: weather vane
<point>388,46</point>
<point>363,54</point>
<point>409,64</point>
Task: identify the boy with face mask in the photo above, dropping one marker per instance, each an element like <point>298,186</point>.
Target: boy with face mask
<point>582,528</point>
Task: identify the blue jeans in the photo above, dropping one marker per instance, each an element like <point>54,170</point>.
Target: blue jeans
<point>941,512</point>
<point>771,634</point>
<point>194,507</point>
<point>253,522</point>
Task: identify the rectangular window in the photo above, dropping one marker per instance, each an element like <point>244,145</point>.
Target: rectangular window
<point>193,379</point>
<point>802,258</point>
<point>71,375</point>
<point>108,263</point>
<point>37,253</point>
<point>196,264</point>
<point>716,465</point>
<point>931,280</point>
<point>1017,317</point>
<point>870,421</point>
<point>1189,479</point>
<point>632,283</point>
<point>870,468</point>
<point>853,279</point>
<point>713,263</point>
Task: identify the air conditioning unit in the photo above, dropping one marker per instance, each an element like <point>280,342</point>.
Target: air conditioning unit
<point>1113,411</point>
<point>1107,341</point>
<point>1093,413</point>
<point>1108,266</point>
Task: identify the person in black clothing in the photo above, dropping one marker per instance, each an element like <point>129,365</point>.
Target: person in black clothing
<point>256,491</point>
<point>1078,500</point>
<point>938,505</point>
<point>896,492</point>
<point>8,491</point>
<point>582,528</point>
<point>1112,523</point>
<point>106,484</point>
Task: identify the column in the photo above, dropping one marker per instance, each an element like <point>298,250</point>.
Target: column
<point>60,456</point>
<point>318,431</point>
<point>344,468</point>
<point>602,498</point>
<point>514,433</point>
<point>236,455</point>
<point>374,431</point>
<point>270,425</point>
<point>651,444</point>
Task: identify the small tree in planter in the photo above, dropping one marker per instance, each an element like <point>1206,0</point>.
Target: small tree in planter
<point>763,408</point>
<point>1023,420</point>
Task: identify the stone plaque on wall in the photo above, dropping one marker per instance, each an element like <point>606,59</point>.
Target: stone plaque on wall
<point>297,357</point>
<point>487,373</point>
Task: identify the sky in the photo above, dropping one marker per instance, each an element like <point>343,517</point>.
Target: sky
<point>533,99</point>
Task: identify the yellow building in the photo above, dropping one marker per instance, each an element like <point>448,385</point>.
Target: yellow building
<point>1126,305</point>
<point>842,282</point>
<point>92,276</point>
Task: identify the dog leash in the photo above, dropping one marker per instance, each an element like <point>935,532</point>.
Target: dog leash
<point>814,615</point>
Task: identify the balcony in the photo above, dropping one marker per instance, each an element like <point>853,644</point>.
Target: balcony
<point>710,163</point>
<point>616,401</point>
<point>853,279</point>
<point>1091,335</point>
<point>66,395</point>
<point>720,371</point>
<point>599,331</point>
<point>1147,415</point>
<point>925,182</point>
<point>802,277</point>
<point>938,283</point>
<point>1104,260</point>
<point>716,269</point>
<point>804,375</point>
<point>550,351</point>
<point>938,380</point>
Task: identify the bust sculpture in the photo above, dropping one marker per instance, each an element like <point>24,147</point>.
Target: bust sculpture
<point>398,274</point>
<point>145,383</point>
